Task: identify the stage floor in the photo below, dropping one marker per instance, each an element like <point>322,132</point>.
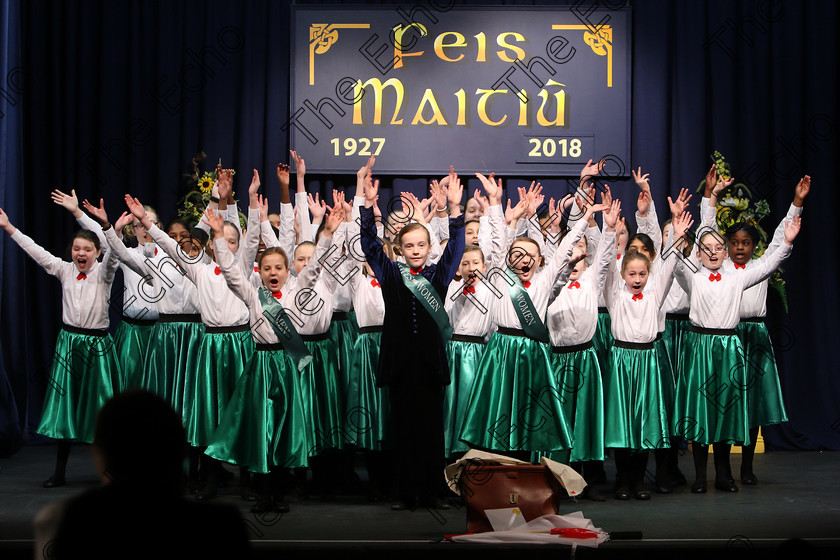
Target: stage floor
<point>798,496</point>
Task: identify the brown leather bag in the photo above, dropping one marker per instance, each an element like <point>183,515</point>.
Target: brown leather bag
<point>531,488</point>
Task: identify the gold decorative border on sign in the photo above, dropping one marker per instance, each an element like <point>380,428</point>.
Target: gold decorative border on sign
<point>321,38</point>
<point>600,42</point>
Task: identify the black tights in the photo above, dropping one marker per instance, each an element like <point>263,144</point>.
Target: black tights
<point>62,454</point>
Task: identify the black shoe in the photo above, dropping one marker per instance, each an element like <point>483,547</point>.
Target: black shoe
<point>208,493</point>
<point>749,479</point>
<point>55,481</point>
<point>279,506</point>
<point>698,488</point>
<point>726,486</point>
<point>435,503</point>
<point>663,487</point>
<point>622,494</point>
<point>263,505</point>
<point>641,495</point>
<point>592,493</point>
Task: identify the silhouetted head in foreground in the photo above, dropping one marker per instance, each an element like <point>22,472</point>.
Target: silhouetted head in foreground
<point>140,443</point>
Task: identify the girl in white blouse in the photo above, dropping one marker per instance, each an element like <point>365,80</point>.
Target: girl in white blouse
<point>84,372</point>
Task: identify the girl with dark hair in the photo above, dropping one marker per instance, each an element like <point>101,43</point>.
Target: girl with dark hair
<point>763,390</point>
<point>710,408</point>
<point>84,373</point>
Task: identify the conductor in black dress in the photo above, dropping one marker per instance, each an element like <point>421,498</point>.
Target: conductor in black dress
<point>412,358</point>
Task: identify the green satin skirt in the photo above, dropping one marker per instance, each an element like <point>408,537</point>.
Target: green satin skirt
<point>515,403</point>
<point>343,336</point>
<point>84,374</point>
<point>263,425</point>
<point>711,404</point>
<point>171,354</point>
<point>132,343</point>
<point>603,340</point>
<point>765,405</point>
<point>464,358</point>
<point>579,378</point>
<point>322,402</point>
<point>669,381</point>
<point>368,407</point>
<point>209,387</point>
<point>672,337</point>
<point>636,414</point>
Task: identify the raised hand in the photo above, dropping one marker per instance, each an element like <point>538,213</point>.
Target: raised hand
<point>135,207</point>
<point>591,169</point>
<point>606,196</point>
<point>518,211</point>
<point>681,203</point>
<point>612,212</point>
<point>365,169</point>
<point>494,193</point>
<point>254,187</point>
<point>454,191</point>
<point>262,203</point>
<point>720,185</point>
<point>317,207</point>
<point>682,222</point>
<point>643,204</point>
<point>802,190</point>
<point>300,164</point>
<point>371,192</point>
<point>438,195</point>
<point>5,223</point>
<point>334,219</point>
<point>68,201</point>
<point>225,182</point>
<point>283,174</point>
<point>792,229</point>
<point>711,180</point>
<point>99,213</point>
<point>377,213</point>
<point>216,222</point>
<point>482,201</point>
<point>124,219</point>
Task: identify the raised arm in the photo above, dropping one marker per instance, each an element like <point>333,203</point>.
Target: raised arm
<point>235,278</point>
<point>755,274</point>
<point>49,262</point>
<point>681,223</point>
<point>647,221</point>
<point>795,209</point>
<point>301,202</point>
<point>188,264</point>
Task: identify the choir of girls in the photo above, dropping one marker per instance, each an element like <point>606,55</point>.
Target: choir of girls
<point>416,336</point>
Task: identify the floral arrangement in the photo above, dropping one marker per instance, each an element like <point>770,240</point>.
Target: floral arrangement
<point>735,205</point>
<point>201,189</point>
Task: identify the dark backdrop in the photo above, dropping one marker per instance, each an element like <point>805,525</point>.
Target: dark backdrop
<point>107,98</point>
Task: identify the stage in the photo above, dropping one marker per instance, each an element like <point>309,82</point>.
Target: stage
<point>798,496</point>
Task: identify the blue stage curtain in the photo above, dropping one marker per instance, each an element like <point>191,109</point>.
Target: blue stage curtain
<point>12,307</point>
<point>123,94</point>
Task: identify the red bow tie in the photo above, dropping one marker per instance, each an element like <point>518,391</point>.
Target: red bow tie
<point>714,277</point>
<point>526,284</point>
<point>81,276</point>
<point>638,297</point>
<point>741,266</point>
<point>155,251</point>
<point>375,284</point>
<point>575,284</point>
<point>469,290</point>
<point>256,269</point>
<point>218,271</point>
<point>277,295</point>
<point>415,270</point>
<point>618,257</point>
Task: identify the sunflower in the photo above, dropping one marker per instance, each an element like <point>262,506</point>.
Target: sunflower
<point>206,182</point>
